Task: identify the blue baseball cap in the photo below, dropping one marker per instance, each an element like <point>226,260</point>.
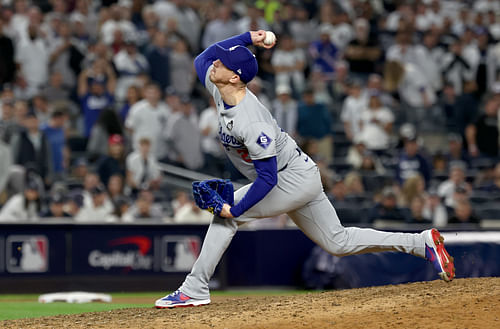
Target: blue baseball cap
<point>240,60</point>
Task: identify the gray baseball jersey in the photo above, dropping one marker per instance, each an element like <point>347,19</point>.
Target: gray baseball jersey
<point>248,129</point>
<point>249,132</point>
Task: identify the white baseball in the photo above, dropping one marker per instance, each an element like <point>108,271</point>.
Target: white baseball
<point>270,38</point>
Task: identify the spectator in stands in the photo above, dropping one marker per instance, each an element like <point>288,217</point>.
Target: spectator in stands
<point>363,52</point>
<point>31,148</point>
<point>466,108</point>
<point>375,85</point>
<point>181,68</point>
<point>181,198</point>
<point>148,117</point>
<point>74,203</point>
<point>191,213</point>
<point>435,210</point>
<point>7,63</point>
<point>253,20</point>
<point>456,66</point>
<point>302,28</point>
<point>398,17</point>
<point>157,55</point>
<point>5,166</point>
<point>115,23</point>
<point>412,187</point>
<point>415,91</point>
<point>340,84</point>
<point>78,171</point>
<point>220,28</point>
<point>256,87</point>
<point>352,109</point>
<point>56,207</point>
<point>56,138</point>
<point>114,162</point>
<point>376,125</point>
<point>417,211</point>
<point>362,159</point>
<point>285,110</point>
<point>115,188</point>
<point>122,205</point>
<point>98,208</point>
<point>133,96</point>
<point>412,161</point>
<point>315,123</point>
<point>24,206</point>
<point>483,46</point>
<point>32,58</point>
<point>323,54</point>
<point>463,214</point>
<point>40,106</point>
<point>337,192</point>
<point>387,208</point>
<point>402,51</point>
<point>107,125</point>
<point>492,186</point>
<point>354,184</point>
<point>142,167</point>
<point>210,145</point>
<point>144,208</point>
<point>456,151</point>
<point>482,136</point>
<point>289,62</point>
<point>428,59</point>
<point>184,138</point>
<point>130,64</point>
<point>96,87</point>
<point>342,31</point>
<point>65,57</point>
<point>91,181</point>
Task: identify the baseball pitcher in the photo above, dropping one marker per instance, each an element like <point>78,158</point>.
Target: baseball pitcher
<point>284,179</point>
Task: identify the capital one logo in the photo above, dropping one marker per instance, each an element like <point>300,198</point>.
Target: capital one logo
<point>129,253</point>
<point>27,253</point>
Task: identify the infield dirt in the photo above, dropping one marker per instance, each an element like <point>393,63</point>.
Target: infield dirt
<point>463,303</point>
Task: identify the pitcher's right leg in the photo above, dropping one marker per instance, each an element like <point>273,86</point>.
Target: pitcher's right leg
<point>319,221</point>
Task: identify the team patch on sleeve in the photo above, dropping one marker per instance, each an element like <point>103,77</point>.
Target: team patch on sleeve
<point>263,140</point>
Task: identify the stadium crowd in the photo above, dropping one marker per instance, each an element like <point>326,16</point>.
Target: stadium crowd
<point>397,101</point>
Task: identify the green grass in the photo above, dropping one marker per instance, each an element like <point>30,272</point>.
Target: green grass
<point>19,310</point>
<point>26,305</point>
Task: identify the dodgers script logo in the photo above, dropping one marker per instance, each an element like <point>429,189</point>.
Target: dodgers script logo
<point>179,252</point>
<point>27,253</point>
<point>129,253</point>
<point>228,140</point>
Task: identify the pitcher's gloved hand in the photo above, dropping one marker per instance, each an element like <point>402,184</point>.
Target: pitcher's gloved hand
<point>212,194</point>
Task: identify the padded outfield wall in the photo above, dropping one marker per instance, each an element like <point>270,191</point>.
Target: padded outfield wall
<point>116,257</point>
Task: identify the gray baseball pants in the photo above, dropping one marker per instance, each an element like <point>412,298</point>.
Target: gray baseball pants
<point>299,193</point>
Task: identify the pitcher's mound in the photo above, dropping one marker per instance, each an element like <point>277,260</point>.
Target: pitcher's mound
<point>463,303</point>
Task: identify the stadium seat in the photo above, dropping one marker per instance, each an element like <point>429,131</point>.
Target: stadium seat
<point>488,211</point>
<point>350,215</point>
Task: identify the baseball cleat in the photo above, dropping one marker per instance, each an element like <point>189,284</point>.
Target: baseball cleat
<point>436,253</point>
<point>179,299</point>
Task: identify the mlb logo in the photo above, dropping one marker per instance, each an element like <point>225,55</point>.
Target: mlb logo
<point>179,252</point>
<point>27,254</point>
